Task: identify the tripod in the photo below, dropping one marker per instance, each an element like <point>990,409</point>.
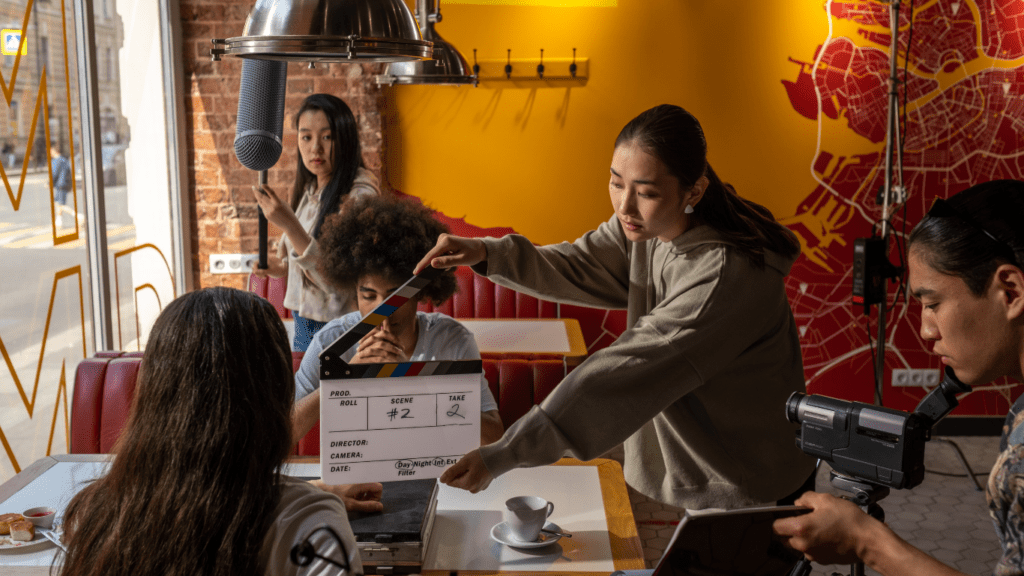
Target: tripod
<point>863,494</point>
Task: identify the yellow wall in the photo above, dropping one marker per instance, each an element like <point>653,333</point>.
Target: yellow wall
<point>535,157</point>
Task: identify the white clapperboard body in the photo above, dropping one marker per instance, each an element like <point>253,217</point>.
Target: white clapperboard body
<point>394,421</point>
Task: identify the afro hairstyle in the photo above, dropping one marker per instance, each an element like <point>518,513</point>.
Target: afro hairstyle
<point>385,236</point>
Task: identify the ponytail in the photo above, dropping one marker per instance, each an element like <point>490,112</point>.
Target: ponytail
<point>748,225</point>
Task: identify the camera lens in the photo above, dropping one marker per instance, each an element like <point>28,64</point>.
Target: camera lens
<point>793,405</point>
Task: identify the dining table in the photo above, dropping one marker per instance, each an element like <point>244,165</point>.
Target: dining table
<point>561,336</point>
<point>590,500</point>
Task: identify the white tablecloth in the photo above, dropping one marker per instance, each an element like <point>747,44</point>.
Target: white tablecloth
<point>461,535</point>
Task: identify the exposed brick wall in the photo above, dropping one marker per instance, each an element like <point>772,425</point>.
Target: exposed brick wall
<point>219,187</point>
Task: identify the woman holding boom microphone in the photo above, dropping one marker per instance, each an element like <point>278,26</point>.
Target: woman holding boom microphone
<point>330,168</point>
<point>695,384</point>
<point>966,260</point>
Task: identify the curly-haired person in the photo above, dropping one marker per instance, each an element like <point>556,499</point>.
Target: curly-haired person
<point>373,246</point>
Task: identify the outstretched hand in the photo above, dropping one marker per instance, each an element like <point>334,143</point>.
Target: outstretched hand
<point>363,497</point>
<point>453,251</point>
<point>469,473</point>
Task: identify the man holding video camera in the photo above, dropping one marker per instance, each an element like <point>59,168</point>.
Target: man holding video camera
<point>966,261</point>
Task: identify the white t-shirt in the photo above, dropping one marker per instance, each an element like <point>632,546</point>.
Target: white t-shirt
<point>441,337</point>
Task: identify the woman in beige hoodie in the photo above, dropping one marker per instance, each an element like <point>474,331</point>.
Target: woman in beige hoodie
<point>697,384</point>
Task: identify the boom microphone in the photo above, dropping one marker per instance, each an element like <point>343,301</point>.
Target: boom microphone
<point>260,113</point>
<point>259,125</point>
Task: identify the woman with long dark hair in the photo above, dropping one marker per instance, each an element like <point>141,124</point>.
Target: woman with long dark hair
<point>696,384</point>
<point>966,261</point>
<point>195,487</point>
<point>330,168</point>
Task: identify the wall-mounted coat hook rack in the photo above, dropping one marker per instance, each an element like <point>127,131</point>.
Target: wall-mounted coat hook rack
<point>550,71</point>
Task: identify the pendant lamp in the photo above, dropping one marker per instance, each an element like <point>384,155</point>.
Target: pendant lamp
<point>447,65</point>
<point>328,31</point>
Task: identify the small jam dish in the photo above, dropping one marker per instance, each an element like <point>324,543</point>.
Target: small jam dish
<point>41,517</point>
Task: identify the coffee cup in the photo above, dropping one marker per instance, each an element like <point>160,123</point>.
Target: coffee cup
<point>526,515</point>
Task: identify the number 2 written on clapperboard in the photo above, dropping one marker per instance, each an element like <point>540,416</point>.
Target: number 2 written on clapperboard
<point>402,428</point>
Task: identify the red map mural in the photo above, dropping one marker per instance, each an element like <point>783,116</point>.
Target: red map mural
<point>964,125</point>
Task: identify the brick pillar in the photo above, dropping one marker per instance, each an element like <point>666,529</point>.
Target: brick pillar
<point>219,187</point>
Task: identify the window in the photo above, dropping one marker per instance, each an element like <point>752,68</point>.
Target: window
<point>44,52</point>
<point>46,324</point>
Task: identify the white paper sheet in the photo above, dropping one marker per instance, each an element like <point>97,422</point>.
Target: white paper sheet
<point>519,335</point>
<point>461,538</point>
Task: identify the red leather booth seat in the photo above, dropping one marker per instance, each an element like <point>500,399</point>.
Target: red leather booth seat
<point>272,289</point>
<point>517,384</point>
<point>105,386</point>
<point>478,297</point>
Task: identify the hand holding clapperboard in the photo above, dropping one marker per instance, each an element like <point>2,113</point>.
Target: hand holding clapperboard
<point>394,421</point>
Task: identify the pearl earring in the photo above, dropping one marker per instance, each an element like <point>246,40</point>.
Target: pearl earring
<point>688,209</point>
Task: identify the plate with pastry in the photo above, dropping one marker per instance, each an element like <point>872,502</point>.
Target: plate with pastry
<point>18,533</point>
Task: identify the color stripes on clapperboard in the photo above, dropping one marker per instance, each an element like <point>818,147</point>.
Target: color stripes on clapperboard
<point>332,367</point>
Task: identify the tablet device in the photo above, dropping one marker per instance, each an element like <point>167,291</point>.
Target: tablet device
<point>730,542</point>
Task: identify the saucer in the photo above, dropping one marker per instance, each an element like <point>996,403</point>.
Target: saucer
<point>500,533</point>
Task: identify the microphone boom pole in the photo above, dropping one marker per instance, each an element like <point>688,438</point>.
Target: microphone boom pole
<point>262,265</point>
<point>892,145</point>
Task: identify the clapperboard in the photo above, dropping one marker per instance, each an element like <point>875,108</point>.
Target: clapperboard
<point>395,421</point>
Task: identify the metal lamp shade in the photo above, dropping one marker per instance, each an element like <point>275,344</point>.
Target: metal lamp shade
<point>447,66</point>
<point>328,31</point>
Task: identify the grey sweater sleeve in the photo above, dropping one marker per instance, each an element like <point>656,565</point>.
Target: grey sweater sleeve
<point>592,271</point>
<point>713,314</point>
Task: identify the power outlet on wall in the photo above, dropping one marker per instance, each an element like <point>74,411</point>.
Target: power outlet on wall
<point>232,263</point>
<point>918,377</point>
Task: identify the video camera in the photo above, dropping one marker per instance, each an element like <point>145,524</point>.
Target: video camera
<point>873,444</point>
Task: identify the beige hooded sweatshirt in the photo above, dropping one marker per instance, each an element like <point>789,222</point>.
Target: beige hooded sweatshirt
<point>695,387</point>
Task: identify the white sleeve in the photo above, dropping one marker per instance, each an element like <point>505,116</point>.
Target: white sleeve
<point>308,514</point>
<point>307,379</point>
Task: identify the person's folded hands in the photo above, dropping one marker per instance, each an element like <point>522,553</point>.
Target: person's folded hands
<point>380,345</point>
